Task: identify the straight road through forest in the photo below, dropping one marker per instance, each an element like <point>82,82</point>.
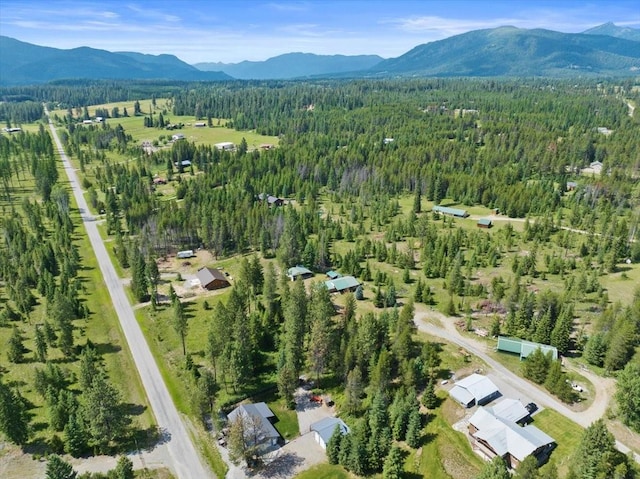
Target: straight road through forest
<point>184,461</point>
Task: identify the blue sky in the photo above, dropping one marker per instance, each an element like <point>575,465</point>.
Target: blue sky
<point>232,31</point>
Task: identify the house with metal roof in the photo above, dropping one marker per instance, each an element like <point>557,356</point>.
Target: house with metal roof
<point>212,278</point>
<point>524,348</point>
<point>474,389</point>
<point>495,436</point>
<point>445,210</point>
<point>261,416</point>
<point>342,284</point>
<point>510,410</point>
<point>325,428</point>
<point>299,272</point>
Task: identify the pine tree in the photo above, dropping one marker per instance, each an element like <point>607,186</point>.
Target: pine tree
<point>429,398</point>
<point>414,428</point>
<point>180,324</point>
<point>124,469</point>
<point>15,349</point>
<point>139,280</point>
<point>41,344</point>
<point>394,464</point>
<point>103,413</point>
<point>14,420</point>
<point>75,436</point>
<point>57,468</point>
<point>333,446</point>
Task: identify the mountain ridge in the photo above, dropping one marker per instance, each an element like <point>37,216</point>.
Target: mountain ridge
<point>294,65</point>
<point>512,51</point>
<point>22,62</point>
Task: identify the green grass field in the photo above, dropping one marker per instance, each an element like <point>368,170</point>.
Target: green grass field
<point>325,471</point>
<point>566,433</point>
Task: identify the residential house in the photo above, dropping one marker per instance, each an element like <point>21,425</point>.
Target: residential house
<point>261,417</point>
<point>212,278</point>
<point>271,200</point>
<point>474,389</point>
<point>299,272</point>
<point>496,436</point>
<point>342,284</point>
<point>510,410</point>
<point>445,210</point>
<point>225,146</point>
<point>324,429</point>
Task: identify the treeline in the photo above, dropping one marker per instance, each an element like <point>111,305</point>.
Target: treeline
<point>17,113</point>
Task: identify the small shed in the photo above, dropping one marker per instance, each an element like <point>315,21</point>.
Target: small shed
<point>333,274</point>
<point>484,223</point>
<point>299,272</point>
<point>177,136</point>
<point>200,124</point>
<point>325,428</point>
<point>212,278</point>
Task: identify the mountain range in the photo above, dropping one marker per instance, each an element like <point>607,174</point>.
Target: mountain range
<point>22,62</point>
<point>294,65</point>
<point>606,50</point>
<point>516,52</point>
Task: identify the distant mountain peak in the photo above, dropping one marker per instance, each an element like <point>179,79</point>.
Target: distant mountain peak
<point>612,30</point>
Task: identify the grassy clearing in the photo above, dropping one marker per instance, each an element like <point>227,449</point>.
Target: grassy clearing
<point>325,471</point>
<point>566,433</point>
<point>447,453</point>
<point>134,125</point>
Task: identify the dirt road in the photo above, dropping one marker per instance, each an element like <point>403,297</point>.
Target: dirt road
<point>604,387</point>
<point>184,459</point>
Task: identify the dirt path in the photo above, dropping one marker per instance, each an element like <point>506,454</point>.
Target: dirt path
<point>425,322</point>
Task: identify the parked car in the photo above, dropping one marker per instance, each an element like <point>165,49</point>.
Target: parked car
<point>577,387</point>
<point>531,407</point>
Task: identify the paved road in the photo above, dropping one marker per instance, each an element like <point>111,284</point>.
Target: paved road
<point>184,461</point>
<point>449,333</point>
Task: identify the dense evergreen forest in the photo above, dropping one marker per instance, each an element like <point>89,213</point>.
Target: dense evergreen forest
<point>358,162</point>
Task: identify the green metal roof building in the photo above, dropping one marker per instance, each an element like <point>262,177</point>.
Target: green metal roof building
<point>445,210</point>
<point>524,348</point>
<point>344,283</point>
